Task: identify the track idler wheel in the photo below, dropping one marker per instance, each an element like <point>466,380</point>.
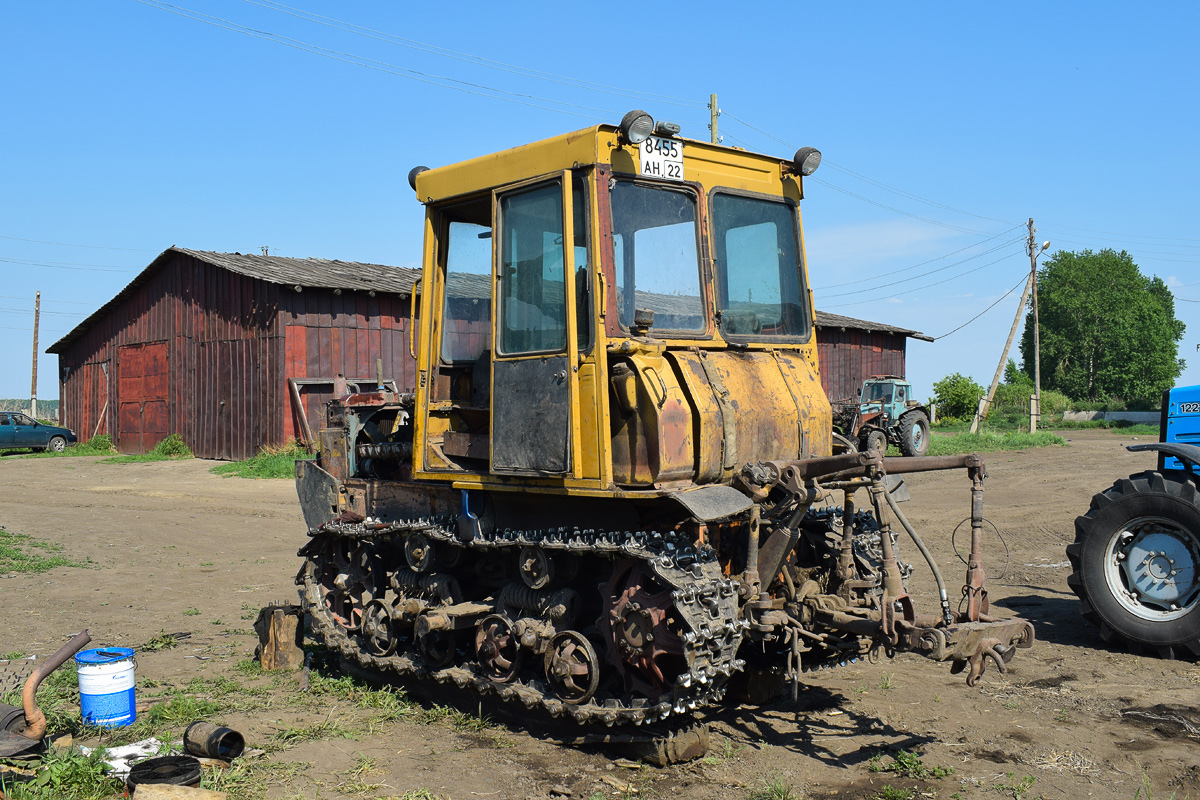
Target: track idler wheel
<point>347,583</point>
<point>572,667</point>
<point>378,631</point>
<point>497,649</point>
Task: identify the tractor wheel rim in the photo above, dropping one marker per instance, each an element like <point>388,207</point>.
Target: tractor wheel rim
<point>1150,567</point>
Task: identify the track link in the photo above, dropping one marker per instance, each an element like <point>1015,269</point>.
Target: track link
<point>704,604</point>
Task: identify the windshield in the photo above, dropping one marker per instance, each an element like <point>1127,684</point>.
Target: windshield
<point>758,268</point>
<point>879,391</point>
<point>656,256</point>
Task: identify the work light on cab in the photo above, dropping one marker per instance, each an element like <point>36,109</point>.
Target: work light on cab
<point>806,161</point>
<point>636,126</point>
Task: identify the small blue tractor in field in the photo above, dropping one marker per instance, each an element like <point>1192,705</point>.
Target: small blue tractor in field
<point>1136,550</point>
<point>886,412</point>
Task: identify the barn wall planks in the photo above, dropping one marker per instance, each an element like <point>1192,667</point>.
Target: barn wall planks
<point>231,344</point>
<point>847,356</point>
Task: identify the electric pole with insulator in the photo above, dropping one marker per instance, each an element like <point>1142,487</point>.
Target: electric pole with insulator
<point>37,311</point>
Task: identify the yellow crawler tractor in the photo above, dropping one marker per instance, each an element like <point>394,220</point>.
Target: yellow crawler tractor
<point>613,485</point>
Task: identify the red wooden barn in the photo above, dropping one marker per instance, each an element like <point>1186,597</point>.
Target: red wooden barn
<point>234,352</point>
<point>231,351</point>
<point>850,350</point>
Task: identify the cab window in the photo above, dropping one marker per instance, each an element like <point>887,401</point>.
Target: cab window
<point>467,308</point>
<point>656,256</point>
<point>756,250</point>
<point>533,308</point>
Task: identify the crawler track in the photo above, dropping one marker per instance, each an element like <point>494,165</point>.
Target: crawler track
<point>351,566</point>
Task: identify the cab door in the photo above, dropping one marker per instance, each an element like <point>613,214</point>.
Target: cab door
<point>534,381</point>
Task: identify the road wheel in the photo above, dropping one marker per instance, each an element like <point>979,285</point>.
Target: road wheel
<point>1134,563</point>
<point>914,433</point>
<point>876,440</point>
<point>56,444</point>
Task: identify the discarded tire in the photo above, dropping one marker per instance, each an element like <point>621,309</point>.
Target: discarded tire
<point>170,770</point>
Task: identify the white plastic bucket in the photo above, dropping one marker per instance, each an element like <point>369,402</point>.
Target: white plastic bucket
<point>106,686</point>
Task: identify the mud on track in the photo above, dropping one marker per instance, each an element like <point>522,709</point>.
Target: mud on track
<point>1080,718</point>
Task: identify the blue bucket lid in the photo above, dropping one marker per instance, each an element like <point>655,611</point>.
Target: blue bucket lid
<point>103,655</point>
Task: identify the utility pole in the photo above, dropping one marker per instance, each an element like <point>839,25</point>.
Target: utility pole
<point>982,412</point>
<point>714,111</point>
<point>1035,415</point>
<point>37,311</point>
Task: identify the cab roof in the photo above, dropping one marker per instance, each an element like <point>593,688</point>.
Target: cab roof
<point>709,164</point>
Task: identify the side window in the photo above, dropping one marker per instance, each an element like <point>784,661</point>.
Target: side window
<point>467,314</point>
<point>4,419</point>
<point>533,309</point>
<point>583,309</point>
<point>900,398</point>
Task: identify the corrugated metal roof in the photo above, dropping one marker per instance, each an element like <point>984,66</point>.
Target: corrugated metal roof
<point>827,320</point>
<point>317,273</point>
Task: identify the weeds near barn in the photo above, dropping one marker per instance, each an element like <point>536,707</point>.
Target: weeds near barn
<point>270,462</point>
<point>169,449</point>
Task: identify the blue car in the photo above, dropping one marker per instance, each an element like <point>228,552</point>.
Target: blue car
<point>20,431</point>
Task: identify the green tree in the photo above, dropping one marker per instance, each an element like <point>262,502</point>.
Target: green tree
<point>957,396</point>
<point>1106,329</point>
<point>1013,376</point>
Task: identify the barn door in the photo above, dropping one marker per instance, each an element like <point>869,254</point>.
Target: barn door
<point>142,384</point>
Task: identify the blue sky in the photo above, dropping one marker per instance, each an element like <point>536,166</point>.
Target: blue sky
<point>127,128</point>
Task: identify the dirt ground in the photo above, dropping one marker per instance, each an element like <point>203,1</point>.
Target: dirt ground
<point>169,538</point>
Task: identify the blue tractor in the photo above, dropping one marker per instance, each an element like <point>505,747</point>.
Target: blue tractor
<point>1137,548</point>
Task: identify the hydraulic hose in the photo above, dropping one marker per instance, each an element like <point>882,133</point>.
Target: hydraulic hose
<point>947,615</point>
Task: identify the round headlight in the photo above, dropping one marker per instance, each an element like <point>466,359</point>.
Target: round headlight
<point>806,161</point>
<point>636,126</point>
<point>412,176</point>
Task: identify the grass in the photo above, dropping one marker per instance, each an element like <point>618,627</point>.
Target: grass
<point>96,446</point>
<point>989,441</point>
<point>270,462</point>
<point>908,765</point>
<point>169,449</point>
<point>20,552</point>
<point>773,789</point>
<point>65,775</point>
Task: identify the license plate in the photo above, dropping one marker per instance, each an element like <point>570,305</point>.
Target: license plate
<point>662,158</point>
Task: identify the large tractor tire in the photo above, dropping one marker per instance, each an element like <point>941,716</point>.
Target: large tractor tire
<point>1134,563</point>
<point>914,433</point>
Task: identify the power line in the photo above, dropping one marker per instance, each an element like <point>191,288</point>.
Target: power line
<point>67,265</point>
<point>919,288</point>
<point>910,195</point>
<point>981,313</point>
<point>65,244</point>
<point>915,266</point>
<point>383,36</point>
<point>26,330</point>
<point>440,81</point>
<point>980,254</point>
<point>1125,235</point>
<point>929,220</point>
<point>67,302</point>
<point>30,311</point>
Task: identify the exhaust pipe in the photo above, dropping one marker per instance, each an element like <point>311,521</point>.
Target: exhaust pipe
<point>35,720</point>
